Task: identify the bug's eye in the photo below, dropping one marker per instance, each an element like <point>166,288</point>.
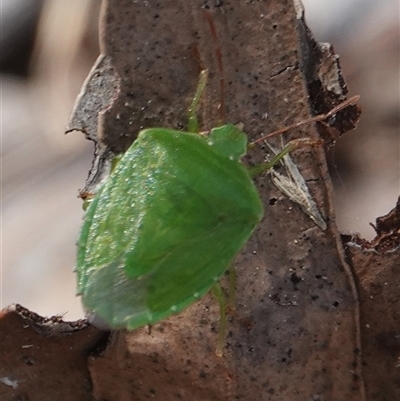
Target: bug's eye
<point>87,202</point>
<point>115,161</point>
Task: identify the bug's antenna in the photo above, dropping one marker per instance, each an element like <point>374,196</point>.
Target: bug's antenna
<point>218,52</point>
<point>320,117</point>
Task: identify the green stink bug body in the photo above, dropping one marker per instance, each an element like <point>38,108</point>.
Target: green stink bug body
<point>166,225</point>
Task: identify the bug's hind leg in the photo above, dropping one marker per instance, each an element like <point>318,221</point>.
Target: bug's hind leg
<point>232,288</point>
<point>226,304</point>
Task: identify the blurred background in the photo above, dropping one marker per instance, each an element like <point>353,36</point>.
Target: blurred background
<point>48,48</point>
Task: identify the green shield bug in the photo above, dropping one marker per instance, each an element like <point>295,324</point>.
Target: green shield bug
<point>166,224</point>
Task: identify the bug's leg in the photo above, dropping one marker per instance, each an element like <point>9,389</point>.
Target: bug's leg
<point>232,287</point>
<point>262,167</point>
<point>220,297</point>
<point>193,123</point>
